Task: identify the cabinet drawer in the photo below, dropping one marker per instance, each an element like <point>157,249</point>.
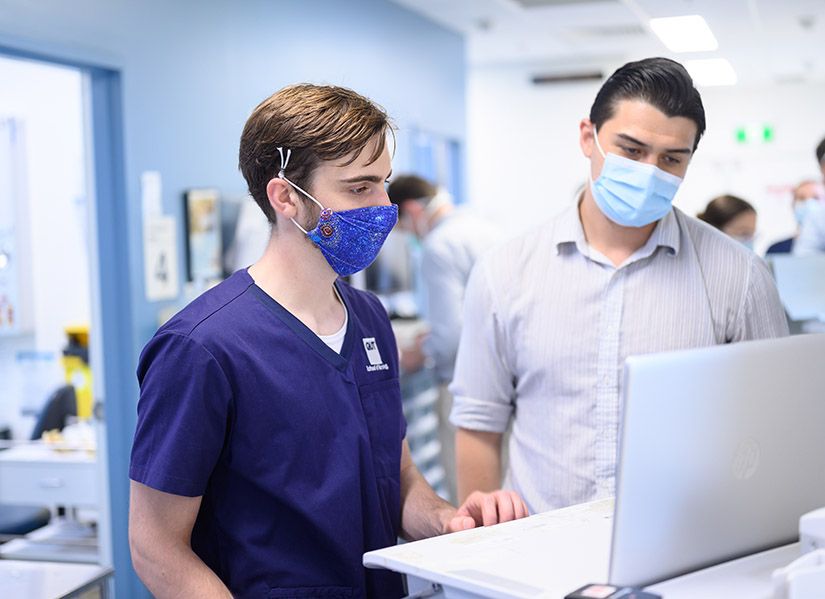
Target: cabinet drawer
<point>71,484</point>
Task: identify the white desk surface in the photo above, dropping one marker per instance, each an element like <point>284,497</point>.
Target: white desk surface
<point>546,555</point>
<point>746,578</point>
<point>554,553</point>
<point>41,452</point>
<point>46,580</point>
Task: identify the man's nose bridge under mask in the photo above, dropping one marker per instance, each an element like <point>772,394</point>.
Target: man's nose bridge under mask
<point>350,239</point>
<point>632,193</point>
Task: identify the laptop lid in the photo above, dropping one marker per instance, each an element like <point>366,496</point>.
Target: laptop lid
<point>722,450</point>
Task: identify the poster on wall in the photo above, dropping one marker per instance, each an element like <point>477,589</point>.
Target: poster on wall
<point>203,235</point>
<point>160,258</point>
<point>160,253</point>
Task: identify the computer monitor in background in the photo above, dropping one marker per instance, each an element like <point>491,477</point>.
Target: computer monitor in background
<point>801,284</point>
<point>722,450</point>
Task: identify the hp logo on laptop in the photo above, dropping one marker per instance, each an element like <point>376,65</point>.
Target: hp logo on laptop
<point>746,459</point>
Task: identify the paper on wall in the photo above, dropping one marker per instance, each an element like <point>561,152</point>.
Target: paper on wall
<point>160,258</point>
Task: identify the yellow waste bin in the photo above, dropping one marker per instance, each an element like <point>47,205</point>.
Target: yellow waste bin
<point>76,366</point>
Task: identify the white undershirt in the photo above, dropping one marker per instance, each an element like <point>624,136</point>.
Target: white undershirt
<point>336,340</point>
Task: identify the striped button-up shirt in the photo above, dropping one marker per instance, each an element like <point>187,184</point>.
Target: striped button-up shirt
<point>549,321</point>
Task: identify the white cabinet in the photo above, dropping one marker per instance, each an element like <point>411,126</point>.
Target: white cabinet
<point>38,475</point>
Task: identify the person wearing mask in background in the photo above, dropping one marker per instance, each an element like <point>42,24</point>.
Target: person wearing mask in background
<point>270,448</point>
<point>811,238</point>
<point>733,216</point>
<point>806,197</point>
<point>550,317</point>
<point>451,239</point>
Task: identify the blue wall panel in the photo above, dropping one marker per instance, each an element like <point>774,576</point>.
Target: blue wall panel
<point>190,72</point>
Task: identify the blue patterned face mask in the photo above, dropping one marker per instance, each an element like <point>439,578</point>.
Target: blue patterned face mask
<point>631,193</point>
<point>351,239</point>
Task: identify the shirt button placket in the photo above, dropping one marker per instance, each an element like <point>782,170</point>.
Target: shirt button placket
<point>607,394</point>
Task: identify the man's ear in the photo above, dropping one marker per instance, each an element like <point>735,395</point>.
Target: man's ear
<point>281,197</point>
<point>586,133</point>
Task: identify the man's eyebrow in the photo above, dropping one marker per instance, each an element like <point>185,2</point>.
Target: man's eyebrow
<point>626,137</point>
<point>366,178</point>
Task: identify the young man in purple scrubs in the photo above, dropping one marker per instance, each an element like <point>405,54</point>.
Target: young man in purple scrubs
<point>270,453</point>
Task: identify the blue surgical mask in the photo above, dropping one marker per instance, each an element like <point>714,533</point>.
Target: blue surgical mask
<point>746,241</point>
<point>801,208</point>
<point>351,239</point>
<point>631,193</point>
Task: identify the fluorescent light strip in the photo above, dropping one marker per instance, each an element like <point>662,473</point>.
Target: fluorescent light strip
<point>711,71</point>
<point>685,34</point>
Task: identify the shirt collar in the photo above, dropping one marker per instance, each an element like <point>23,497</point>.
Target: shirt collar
<point>569,229</point>
<point>666,234</point>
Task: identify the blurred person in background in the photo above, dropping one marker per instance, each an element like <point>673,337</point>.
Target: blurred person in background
<point>733,216</point>
<point>811,238</point>
<point>806,197</point>
<point>451,240</point>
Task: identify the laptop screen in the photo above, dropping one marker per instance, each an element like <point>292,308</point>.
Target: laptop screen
<point>722,450</point>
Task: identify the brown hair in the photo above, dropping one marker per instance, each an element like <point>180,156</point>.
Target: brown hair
<point>410,187</point>
<point>720,211</point>
<point>318,123</point>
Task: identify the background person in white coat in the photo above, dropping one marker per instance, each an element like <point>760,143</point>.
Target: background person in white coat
<point>452,239</point>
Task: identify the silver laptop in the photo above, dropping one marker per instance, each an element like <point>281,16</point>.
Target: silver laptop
<point>722,450</point>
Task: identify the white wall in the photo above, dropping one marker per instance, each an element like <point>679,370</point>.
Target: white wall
<point>524,161</point>
<point>48,100</point>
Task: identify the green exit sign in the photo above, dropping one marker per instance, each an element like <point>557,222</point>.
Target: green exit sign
<point>754,134</point>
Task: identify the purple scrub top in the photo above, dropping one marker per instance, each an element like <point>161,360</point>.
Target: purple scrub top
<point>294,448</point>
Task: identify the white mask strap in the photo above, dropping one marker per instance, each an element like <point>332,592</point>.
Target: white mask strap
<point>282,175</point>
<point>284,161</point>
<point>598,145</point>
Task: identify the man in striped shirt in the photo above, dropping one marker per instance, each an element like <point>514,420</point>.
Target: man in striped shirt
<point>551,316</point>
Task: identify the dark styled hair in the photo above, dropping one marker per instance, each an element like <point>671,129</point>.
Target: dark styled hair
<point>820,152</point>
<point>318,123</point>
<point>661,82</point>
<point>720,211</point>
<point>410,187</point>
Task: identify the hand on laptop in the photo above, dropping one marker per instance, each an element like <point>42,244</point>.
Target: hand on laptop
<point>486,509</point>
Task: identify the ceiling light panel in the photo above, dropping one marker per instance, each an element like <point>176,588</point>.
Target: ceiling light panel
<point>685,34</point>
<point>711,72</point>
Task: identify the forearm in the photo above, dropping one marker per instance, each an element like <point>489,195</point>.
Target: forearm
<point>423,513</point>
<point>174,571</point>
<point>478,461</point>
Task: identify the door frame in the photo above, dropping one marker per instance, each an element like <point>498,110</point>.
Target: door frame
<point>112,334</point>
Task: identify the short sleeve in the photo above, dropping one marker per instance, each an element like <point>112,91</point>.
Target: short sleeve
<point>183,416</point>
<point>762,315</point>
<point>483,385</point>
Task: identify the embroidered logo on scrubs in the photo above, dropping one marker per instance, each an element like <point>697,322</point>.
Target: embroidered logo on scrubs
<point>374,356</point>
